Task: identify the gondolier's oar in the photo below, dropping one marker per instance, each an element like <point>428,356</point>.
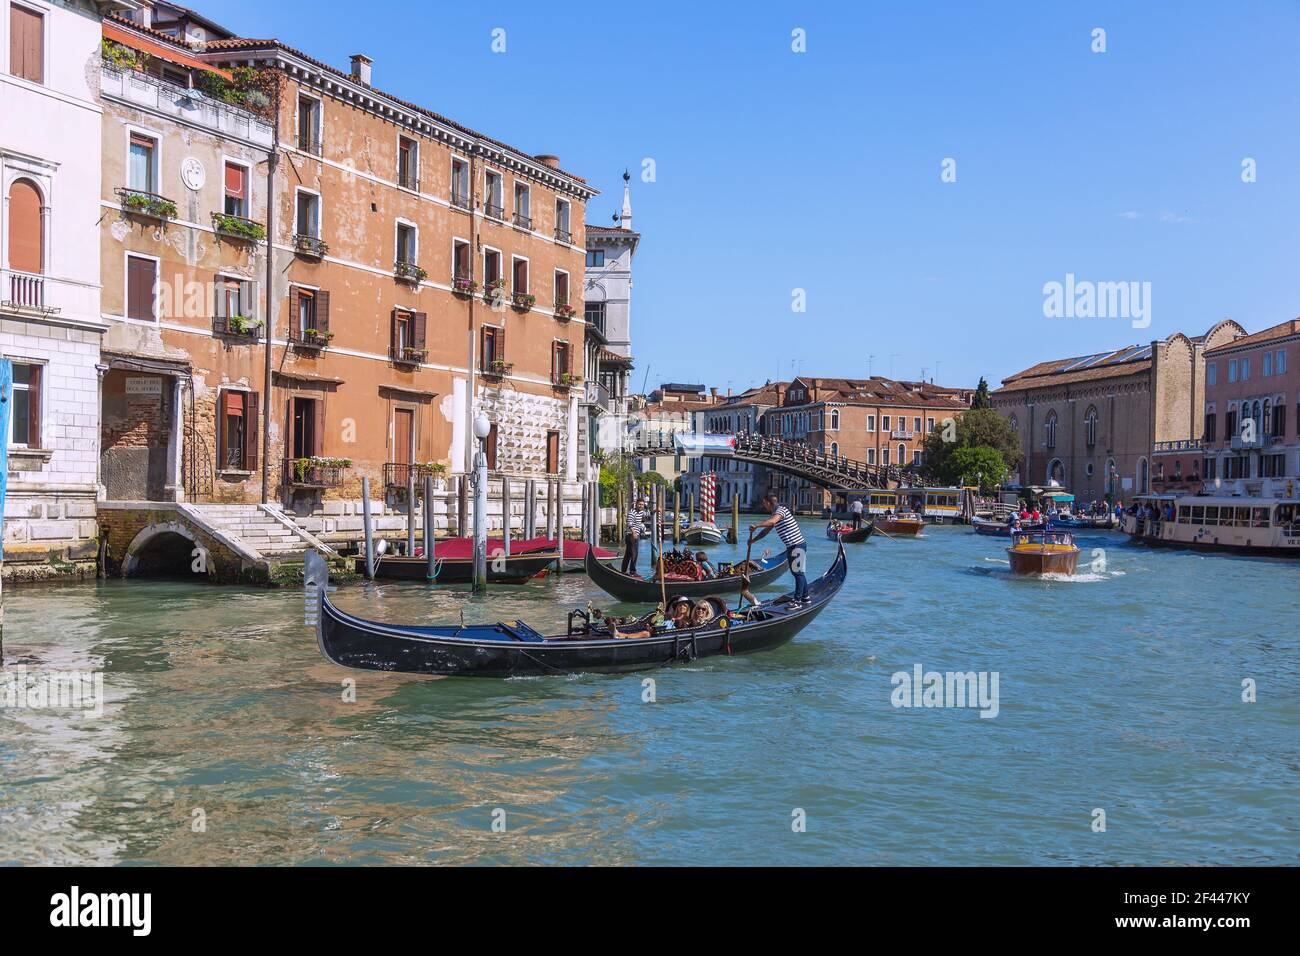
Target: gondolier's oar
<point>744,576</point>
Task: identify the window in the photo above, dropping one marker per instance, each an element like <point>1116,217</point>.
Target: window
<point>519,275</point>
<point>523,211</point>
<point>561,288</point>
<point>460,183</point>
<point>309,123</point>
<point>1245,369</point>
<point>141,286</point>
<point>408,163</point>
<point>902,453</point>
<point>26,238</point>
<point>406,244</point>
<point>595,258</point>
<point>871,423</point>
<point>407,336</point>
<point>1211,373</point>
<point>492,195</point>
<point>560,361</point>
<point>1230,422</point>
<point>491,266</point>
<point>929,425</point>
<point>594,312</point>
<point>1266,364</point>
<point>26,43</point>
<point>460,261</point>
<point>490,448</point>
<point>309,312</point>
<point>884,422</point>
<point>562,230</point>
<point>1279,365</point>
<point>553,453</point>
<point>1090,427</point>
<point>307,220</point>
<point>1211,422</point>
<point>1050,428</point>
<point>25,416</point>
<point>916,424</point>
<point>234,298</point>
<point>835,419</point>
<point>916,457</point>
<point>236,184</point>
<point>307,427</point>
<point>493,347</point>
<point>143,160</point>
<point>884,456</point>
<point>237,437</point>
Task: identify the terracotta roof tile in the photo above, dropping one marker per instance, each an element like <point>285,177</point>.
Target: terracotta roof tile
<point>1279,331</point>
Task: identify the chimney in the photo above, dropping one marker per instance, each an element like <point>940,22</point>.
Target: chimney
<point>546,159</point>
<point>361,68</point>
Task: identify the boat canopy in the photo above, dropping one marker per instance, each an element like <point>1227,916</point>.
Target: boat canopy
<point>1059,496</point>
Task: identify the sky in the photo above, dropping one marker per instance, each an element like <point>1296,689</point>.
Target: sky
<point>824,170</point>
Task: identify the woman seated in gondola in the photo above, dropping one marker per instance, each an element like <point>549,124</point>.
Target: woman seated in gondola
<point>702,614</point>
<point>679,618</point>
<point>706,568</point>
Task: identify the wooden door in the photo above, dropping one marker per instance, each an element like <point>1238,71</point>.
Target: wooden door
<point>403,436</point>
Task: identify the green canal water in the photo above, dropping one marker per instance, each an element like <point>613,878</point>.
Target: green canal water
<point>1119,690</point>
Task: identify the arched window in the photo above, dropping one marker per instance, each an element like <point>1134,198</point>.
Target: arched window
<point>835,419</point>
<point>26,228</point>
<point>835,449</point>
<point>1049,428</point>
<point>1015,422</point>
<point>902,453</point>
<point>1142,477</point>
<point>1090,426</point>
<point>1267,421</point>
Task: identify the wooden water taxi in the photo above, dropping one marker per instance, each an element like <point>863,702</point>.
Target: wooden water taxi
<point>1234,524</point>
<point>901,525</point>
<point>1043,552</point>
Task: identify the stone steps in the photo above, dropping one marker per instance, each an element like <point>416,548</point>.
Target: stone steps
<point>255,530</point>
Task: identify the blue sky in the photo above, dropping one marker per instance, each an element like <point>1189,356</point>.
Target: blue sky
<point>821,170</point>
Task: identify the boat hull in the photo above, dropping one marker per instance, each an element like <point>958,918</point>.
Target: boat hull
<point>899,527</point>
<point>1000,529</point>
<point>851,535</point>
<point>641,591</point>
<point>515,569</point>
<point>703,535</point>
<point>513,650</point>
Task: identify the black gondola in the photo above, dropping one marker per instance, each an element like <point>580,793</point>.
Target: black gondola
<point>515,569</point>
<point>849,534</point>
<point>510,649</point>
<point>644,591</point>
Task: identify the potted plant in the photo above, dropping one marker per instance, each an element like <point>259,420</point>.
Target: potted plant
<point>524,300</point>
<point>320,336</point>
<point>410,272</point>
<point>148,205</point>
<point>243,324</point>
<point>464,285</point>
<point>410,354</point>
<point>500,367</point>
<point>238,227</point>
<point>570,379</point>
<point>564,311</point>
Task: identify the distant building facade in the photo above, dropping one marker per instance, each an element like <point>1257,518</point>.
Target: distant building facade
<point>736,480</point>
<point>1093,423</point>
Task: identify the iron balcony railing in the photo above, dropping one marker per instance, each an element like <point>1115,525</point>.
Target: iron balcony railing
<point>237,326</point>
<point>140,202</point>
<point>308,338</point>
<point>396,474</point>
<point>563,235</point>
<point>310,247</point>
<point>522,221</point>
<point>309,142</point>
<point>493,211</point>
<point>460,199</point>
<point>311,473</point>
<point>238,227</point>
<point>408,180</point>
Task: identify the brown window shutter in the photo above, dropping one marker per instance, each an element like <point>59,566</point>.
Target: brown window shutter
<point>418,322</point>
<point>26,44</point>
<point>568,358</point>
<point>501,343</point>
<point>247,300</point>
<point>223,412</point>
<point>34,404</point>
<point>318,432</point>
<point>219,291</point>
<point>323,311</point>
<point>392,332</point>
<point>482,348</point>
<point>252,432</point>
<point>141,276</point>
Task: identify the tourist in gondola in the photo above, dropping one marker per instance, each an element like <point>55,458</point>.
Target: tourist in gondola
<point>706,567</point>
<point>796,548</point>
<point>635,529</point>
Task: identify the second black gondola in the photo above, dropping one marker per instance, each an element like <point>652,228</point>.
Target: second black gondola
<point>645,591</point>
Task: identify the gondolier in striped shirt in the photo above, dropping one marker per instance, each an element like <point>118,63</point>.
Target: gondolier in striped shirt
<point>796,548</point>
<point>632,536</point>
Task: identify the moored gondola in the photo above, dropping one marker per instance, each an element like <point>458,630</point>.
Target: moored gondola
<point>511,649</point>
<point>645,591</point>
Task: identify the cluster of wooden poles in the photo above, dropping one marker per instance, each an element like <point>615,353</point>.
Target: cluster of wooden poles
<point>657,495</point>
<point>551,497</point>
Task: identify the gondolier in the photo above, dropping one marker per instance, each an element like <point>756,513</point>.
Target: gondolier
<point>856,510</point>
<point>796,548</point>
<point>632,536</point>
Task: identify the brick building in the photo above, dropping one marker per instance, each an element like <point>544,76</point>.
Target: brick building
<point>735,414</point>
<point>415,272</point>
<point>1251,441</point>
<point>1092,423</point>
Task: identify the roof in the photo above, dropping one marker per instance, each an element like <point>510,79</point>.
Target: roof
<point>1129,360</point>
<point>608,357</point>
<point>612,231</point>
<point>155,44</point>
<point>216,48</point>
<point>878,390</point>
<point>1280,331</point>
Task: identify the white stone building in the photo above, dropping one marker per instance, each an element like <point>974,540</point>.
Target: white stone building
<point>50,319</point>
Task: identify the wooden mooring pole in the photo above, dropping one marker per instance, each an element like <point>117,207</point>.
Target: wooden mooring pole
<point>429,559</point>
<point>734,536</point>
<point>505,516</point>
<point>368,528</point>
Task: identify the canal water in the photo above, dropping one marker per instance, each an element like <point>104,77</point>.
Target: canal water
<point>226,739</point>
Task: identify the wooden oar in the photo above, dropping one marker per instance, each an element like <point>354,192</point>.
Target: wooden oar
<point>744,577</point>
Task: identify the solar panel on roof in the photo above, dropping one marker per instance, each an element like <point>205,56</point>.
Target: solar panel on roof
<point>1132,355</point>
<point>1084,362</point>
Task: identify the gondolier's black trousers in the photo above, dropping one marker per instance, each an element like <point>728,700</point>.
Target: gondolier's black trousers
<point>857,520</point>
<point>631,551</point>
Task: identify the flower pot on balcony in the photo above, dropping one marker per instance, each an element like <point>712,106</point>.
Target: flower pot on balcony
<point>409,272</point>
<point>237,227</point>
<point>140,203</point>
<point>310,247</point>
<point>462,285</point>
<point>523,301</point>
<point>564,312</point>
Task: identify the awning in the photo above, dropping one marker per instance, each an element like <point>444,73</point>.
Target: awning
<point>138,363</point>
<point>1059,496</point>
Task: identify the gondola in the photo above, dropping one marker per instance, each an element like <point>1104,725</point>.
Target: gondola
<point>849,534</point>
<point>515,569</point>
<point>642,591</point>
<point>513,649</point>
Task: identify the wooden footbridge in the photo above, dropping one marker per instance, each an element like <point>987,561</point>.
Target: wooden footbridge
<point>835,473</point>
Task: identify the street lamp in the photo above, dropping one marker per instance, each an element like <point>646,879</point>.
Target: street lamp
<point>482,428</point>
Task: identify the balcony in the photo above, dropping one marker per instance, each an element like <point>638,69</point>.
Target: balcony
<point>309,338</point>
<point>397,473</point>
<point>237,227</point>
<point>310,247</point>
<point>493,211</point>
<point>138,202</point>
<point>563,235</point>
<point>495,291</point>
<point>522,222</point>
<point>237,327</point>
<point>460,200</point>
<point>596,394</point>
<point>497,368</point>
<point>903,434</point>
<point>523,301</point>
<point>463,285</point>
<point>41,296</point>
<point>1183,445</point>
<point>564,312</point>
<point>566,379</point>
<point>406,355</point>
<point>314,472</point>
<point>1242,444</point>
<point>190,106</point>
<point>409,272</point>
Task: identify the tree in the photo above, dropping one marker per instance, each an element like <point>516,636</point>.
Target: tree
<point>979,428</point>
<point>979,464</point>
<point>981,399</point>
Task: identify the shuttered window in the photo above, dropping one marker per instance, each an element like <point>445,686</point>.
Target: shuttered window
<point>26,43</point>
<point>26,244</point>
<point>236,191</point>
<point>561,288</point>
<point>141,280</point>
<point>141,172</point>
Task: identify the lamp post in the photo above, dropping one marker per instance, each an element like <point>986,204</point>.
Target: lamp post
<point>482,428</point>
